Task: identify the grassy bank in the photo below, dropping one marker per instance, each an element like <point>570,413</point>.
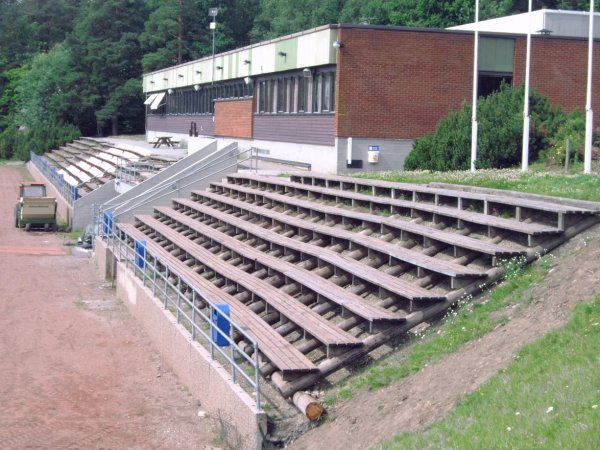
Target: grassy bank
<point>549,397</point>
<point>467,321</point>
<point>536,181</point>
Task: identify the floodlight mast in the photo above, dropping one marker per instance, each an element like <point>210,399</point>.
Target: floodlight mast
<point>212,12</point>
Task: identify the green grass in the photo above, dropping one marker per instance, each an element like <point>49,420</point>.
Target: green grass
<point>536,181</point>
<point>468,321</point>
<point>549,397</point>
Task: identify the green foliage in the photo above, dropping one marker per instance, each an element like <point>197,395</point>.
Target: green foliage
<point>549,397</point>
<point>500,120</point>
<point>466,322</point>
<point>537,181</point>
<point>572,130</point>
<point>178,30</point>
<point>45,94</point>
<point>106,56</point>
<point>16,144</point>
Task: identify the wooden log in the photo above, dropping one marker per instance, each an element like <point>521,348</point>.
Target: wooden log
<point>308,406</point>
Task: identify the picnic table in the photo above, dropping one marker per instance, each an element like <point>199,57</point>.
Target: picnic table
<point>160,140</point>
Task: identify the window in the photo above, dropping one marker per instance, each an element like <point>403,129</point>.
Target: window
<point>302,94</point>
<point>295,93</point>
<point>281,101</point>
<point>196,101</point>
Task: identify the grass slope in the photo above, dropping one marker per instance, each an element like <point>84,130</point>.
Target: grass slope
<point>536,181</point>
<point>549,397</point>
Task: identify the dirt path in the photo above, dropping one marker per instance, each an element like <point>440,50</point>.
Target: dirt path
<point>426,397</point>
<point>76,371</point>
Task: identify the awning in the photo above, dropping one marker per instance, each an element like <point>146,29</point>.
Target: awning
<point>157,100</point>
<point>150,99</point>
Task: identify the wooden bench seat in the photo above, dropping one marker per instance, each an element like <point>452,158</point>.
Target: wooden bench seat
<point>417,259</point>
<point>319,285</point>
<point>497,197</point>
<point>453,239</point>
<point>272,345</point>
<point>551,205</point>
<point>349,265</point>
<point>314,324</point>
<point>530,229</point>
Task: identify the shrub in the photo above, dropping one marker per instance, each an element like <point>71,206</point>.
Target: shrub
<point>16,144</point>
<point>573,130</point>
<point>500,117</point>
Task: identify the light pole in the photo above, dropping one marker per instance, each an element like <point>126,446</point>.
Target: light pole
<point>212,12</point>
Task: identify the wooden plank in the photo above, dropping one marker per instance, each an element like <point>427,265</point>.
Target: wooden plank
<point>453,239</point>
<point>319,285</point>
<point>419,188</point>
<point>455,213</point>
<point>280,352</point>
<point>317,326</point>
<point>368,274</point>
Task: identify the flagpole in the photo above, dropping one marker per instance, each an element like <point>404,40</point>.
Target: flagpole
<point>475,75</point>
<point>589,113</point>
<point>526,116</point>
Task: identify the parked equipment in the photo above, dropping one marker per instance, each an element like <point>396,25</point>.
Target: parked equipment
<point>34,209</point>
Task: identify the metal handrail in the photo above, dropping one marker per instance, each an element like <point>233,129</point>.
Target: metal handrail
<point>146,266</point>
<point>67,191</point>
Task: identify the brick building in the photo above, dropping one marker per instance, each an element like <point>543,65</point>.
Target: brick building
<point>326,96</point>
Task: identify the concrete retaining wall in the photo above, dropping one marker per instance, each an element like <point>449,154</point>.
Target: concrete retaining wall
<point>242,425</point>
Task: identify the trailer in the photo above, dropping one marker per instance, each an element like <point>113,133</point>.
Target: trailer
<point>34,208</point>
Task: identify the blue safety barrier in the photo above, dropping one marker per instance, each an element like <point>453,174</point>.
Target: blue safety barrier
<point>220,319</point>
<point>140,254</point>
<point>107,223</point>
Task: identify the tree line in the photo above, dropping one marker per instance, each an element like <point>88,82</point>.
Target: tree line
<point>74,67</point>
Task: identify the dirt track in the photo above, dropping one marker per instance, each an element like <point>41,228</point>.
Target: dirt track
<point>76,370</point>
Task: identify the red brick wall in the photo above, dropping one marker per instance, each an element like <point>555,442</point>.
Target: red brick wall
<point>398,84</point>
<point>559,71</point>
<point>234,118</point>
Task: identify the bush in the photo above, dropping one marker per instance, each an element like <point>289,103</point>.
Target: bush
<point>16,144</point>
<point>500,118</point>
<point>573,130</point>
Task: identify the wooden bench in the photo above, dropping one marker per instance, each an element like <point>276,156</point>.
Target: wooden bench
<point>550,205</point>
<point>313,324</point>
<point>272,345</point>
<point>417,259</point>
<point>453,239</point>
<point>530,230</point>
<point>319,285</point>
<point>368,274</point>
